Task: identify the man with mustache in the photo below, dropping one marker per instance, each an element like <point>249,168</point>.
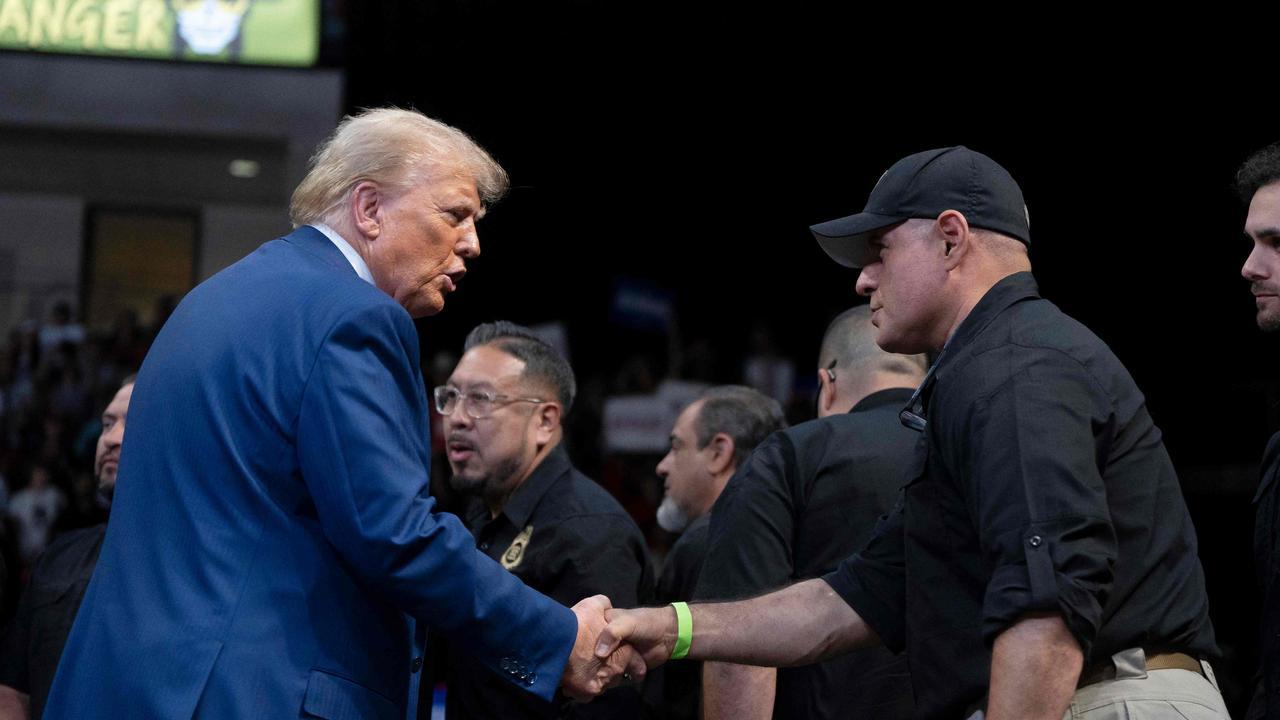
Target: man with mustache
<point>548,524</point>
<point>1258,183</point>
<point>34,639</point>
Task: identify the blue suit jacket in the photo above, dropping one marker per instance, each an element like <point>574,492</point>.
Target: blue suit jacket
<point>272,532</point>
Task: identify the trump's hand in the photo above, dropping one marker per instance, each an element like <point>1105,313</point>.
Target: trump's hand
<point>651,632</point>
<point>587,674</point>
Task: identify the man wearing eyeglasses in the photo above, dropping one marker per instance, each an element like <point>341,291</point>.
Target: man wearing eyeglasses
<point>1040,562</point>
<point>530,509</point>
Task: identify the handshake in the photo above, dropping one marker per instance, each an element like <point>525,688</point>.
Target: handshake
<point>616,646</point>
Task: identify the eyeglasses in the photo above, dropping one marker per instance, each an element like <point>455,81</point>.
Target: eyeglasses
<point>479,404</point>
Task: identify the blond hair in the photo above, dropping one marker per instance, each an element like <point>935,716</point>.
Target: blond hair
<point>393,147</point>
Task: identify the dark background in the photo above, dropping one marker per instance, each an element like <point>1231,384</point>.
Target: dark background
<point>688,147</point>
<point>693,148</point>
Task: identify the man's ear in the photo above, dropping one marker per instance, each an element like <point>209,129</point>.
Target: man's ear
<point>953,228</point>
<point>547,418</point>
<point>366,209</point>
<point>722,448</point>
<point>826,384</point>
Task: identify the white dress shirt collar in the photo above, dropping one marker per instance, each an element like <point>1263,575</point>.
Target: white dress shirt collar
<point>353,257</point>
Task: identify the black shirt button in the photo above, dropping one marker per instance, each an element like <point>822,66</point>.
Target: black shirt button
<point>484,547</point>
<point>416,665</point>
<point>1035,541</point>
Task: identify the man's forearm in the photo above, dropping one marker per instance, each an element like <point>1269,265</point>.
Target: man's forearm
<point>737,692</point>
<point>1035,665</point>
<point>797,625</point>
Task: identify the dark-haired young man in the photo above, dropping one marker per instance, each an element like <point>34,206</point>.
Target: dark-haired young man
<point>1258,182</point>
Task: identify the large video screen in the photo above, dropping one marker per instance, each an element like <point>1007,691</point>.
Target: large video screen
<point>254,32</point>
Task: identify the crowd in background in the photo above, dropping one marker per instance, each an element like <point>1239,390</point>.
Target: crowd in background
<point>57,375</point>
<point>55,378</point>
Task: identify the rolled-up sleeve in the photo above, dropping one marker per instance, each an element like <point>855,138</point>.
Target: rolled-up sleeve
<point>1030,456</point>
<point>873,582</point>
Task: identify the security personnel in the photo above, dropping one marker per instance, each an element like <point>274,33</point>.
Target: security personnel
<point>1041,556</point>
<point>545,522</point>
<point>808,498</point>
<point>1258,182</point>
<point>710,440</point>
<point>33,642</point>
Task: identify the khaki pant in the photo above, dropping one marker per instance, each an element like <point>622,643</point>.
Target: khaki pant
<point>1139,694</point>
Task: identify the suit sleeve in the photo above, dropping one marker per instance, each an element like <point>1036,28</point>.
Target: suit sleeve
<point>362,440</point>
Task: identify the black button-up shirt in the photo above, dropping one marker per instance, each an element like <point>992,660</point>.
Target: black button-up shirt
<point>807,498</point>
<point>1040,484</point>
<point>34,639</point>
<point>1266,548</point>
<point>566,537</point>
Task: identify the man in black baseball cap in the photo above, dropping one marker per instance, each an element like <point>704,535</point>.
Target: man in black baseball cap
<point>924,185</point>
<point>1040,556</point>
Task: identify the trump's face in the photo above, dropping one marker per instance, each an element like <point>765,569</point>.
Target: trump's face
<point>1262,268</point>
<point>425,235</point>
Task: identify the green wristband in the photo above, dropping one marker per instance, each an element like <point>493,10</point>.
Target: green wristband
<point>684,631</point>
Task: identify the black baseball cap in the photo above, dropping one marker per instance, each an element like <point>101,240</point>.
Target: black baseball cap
<point>924,185</point>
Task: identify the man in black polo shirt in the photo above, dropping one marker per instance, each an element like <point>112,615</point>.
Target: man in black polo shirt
<point>33,642</point>
<point>808,498</point>
<point>1258,182</point>
<point>547,523</point>
<point>1041,543</point>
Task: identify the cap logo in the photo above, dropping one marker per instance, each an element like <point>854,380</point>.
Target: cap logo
<point>1027,214</point>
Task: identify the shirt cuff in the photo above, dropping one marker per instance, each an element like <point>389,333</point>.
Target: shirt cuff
<point>879,607</point>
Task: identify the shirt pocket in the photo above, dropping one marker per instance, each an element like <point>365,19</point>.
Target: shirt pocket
<point>939,543</point>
